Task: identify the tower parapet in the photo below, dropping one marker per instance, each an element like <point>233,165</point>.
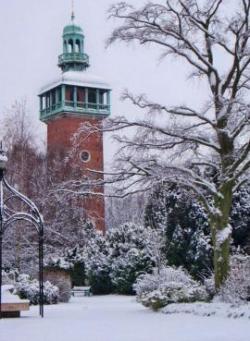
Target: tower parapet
<point>75,93</point>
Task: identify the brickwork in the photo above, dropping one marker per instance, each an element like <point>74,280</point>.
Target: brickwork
<point>66,161</point>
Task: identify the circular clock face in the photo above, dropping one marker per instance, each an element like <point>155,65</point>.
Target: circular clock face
<point>85,156</point>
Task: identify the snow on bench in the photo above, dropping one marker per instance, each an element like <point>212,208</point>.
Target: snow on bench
<point>12,305</point>
<point>81,291</point>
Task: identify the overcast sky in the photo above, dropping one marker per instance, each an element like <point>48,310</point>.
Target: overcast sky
<point>30,35</point>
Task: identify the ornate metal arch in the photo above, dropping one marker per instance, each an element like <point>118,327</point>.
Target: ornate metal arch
<point>8,217</point>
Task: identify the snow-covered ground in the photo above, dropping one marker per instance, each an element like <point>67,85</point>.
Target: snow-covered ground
<point>118,318</point>
<point>224,310</point>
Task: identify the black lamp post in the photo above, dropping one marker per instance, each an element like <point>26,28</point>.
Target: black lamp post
<point>8,217</point>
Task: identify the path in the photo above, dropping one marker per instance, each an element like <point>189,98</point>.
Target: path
<point>117,318</point>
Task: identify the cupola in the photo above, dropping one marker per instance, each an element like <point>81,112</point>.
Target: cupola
<point>73,56</point>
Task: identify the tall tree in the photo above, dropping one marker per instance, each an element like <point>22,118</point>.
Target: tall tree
<point>186,143</point>
<point>25,171</point>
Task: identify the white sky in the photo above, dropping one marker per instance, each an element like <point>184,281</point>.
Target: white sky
<point>30,35</point>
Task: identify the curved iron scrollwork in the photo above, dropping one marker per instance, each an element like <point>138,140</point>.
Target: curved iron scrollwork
<point>9,216</point>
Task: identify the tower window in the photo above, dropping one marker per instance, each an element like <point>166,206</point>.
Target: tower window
<point>78,46</point>
<point>70,46</point>
<point>59,94</point>
<point>92,96</point>
<point>43,104</point>
<point>80,94</point>
<point>53,97</point>
<point>103,99</point>
<point>69,95</point>
<point>85,156</point>
<point>47,100</point>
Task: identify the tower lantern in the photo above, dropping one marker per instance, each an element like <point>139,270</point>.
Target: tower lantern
<point>73,57</point>
<point>75,98</point>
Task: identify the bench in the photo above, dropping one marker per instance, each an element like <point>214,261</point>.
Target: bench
<point>14,309</point>
<point>81,291</point>
<point>12,305</point>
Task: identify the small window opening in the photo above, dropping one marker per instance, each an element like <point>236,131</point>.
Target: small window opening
<point>85,156</point>
<point>78,46</point>
<point>70,46</point>
<point>92,98</point>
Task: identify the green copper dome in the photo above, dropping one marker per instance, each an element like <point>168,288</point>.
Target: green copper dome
<point>72,29</point>
<point>73,57</point>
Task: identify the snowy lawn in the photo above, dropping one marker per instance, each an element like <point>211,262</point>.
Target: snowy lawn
<point>225,310</point>
<point>118,318</point>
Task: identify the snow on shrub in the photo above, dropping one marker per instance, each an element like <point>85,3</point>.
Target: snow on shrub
<point>28,288</point>
<point>98,264</point>
<point>132,255</point>
<point>9,275</point>
<point>99,275</point>
<point>115,261</point>
<point>236,289</point>
<point>168,285</point>
<point>185,225</point>
<point>58,262</point>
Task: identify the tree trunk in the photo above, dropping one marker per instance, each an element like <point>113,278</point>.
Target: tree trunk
<point>221,262</point>
<point>221,234</point>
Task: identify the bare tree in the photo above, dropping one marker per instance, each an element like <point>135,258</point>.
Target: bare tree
<point>205,150</point>
<point>25,171</point>
<point>123,210</point>
<point>28,171</point>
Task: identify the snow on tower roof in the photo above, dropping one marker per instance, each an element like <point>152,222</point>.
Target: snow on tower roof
<point>77,78</point>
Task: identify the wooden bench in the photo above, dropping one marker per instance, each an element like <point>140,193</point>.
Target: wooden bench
<point>14,309</point>
<point>12,305</point>
<point>81,291</point>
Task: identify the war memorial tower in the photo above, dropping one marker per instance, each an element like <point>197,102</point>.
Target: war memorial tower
<point>76,99</point>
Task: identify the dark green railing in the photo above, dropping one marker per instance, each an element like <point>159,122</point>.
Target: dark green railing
<point>79,107</point>
<point>74,56</point>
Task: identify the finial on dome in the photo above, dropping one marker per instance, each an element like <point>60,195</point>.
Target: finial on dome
<point>73,12</point>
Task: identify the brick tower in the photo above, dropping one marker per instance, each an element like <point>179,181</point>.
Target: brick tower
<point>76,98</point>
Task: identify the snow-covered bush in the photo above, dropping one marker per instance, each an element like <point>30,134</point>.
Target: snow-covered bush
<point>98,264</point>
<point>58,262</point>
<point>186,228</point>
<point>9,276</point>
<point>168,285</point>
<point>99,277</point>
<point>236,289</point>
<point>240,218</point>
<point>188,241</point>
<point>28,288</point>
<point>125,270</point>
<point>131,250</point>
<point>115,261</point>
<point>71,260</point>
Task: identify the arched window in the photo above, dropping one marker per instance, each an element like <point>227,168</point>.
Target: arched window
<point>65,47</point>
<point>78,46</point>
<point>70,46</point>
